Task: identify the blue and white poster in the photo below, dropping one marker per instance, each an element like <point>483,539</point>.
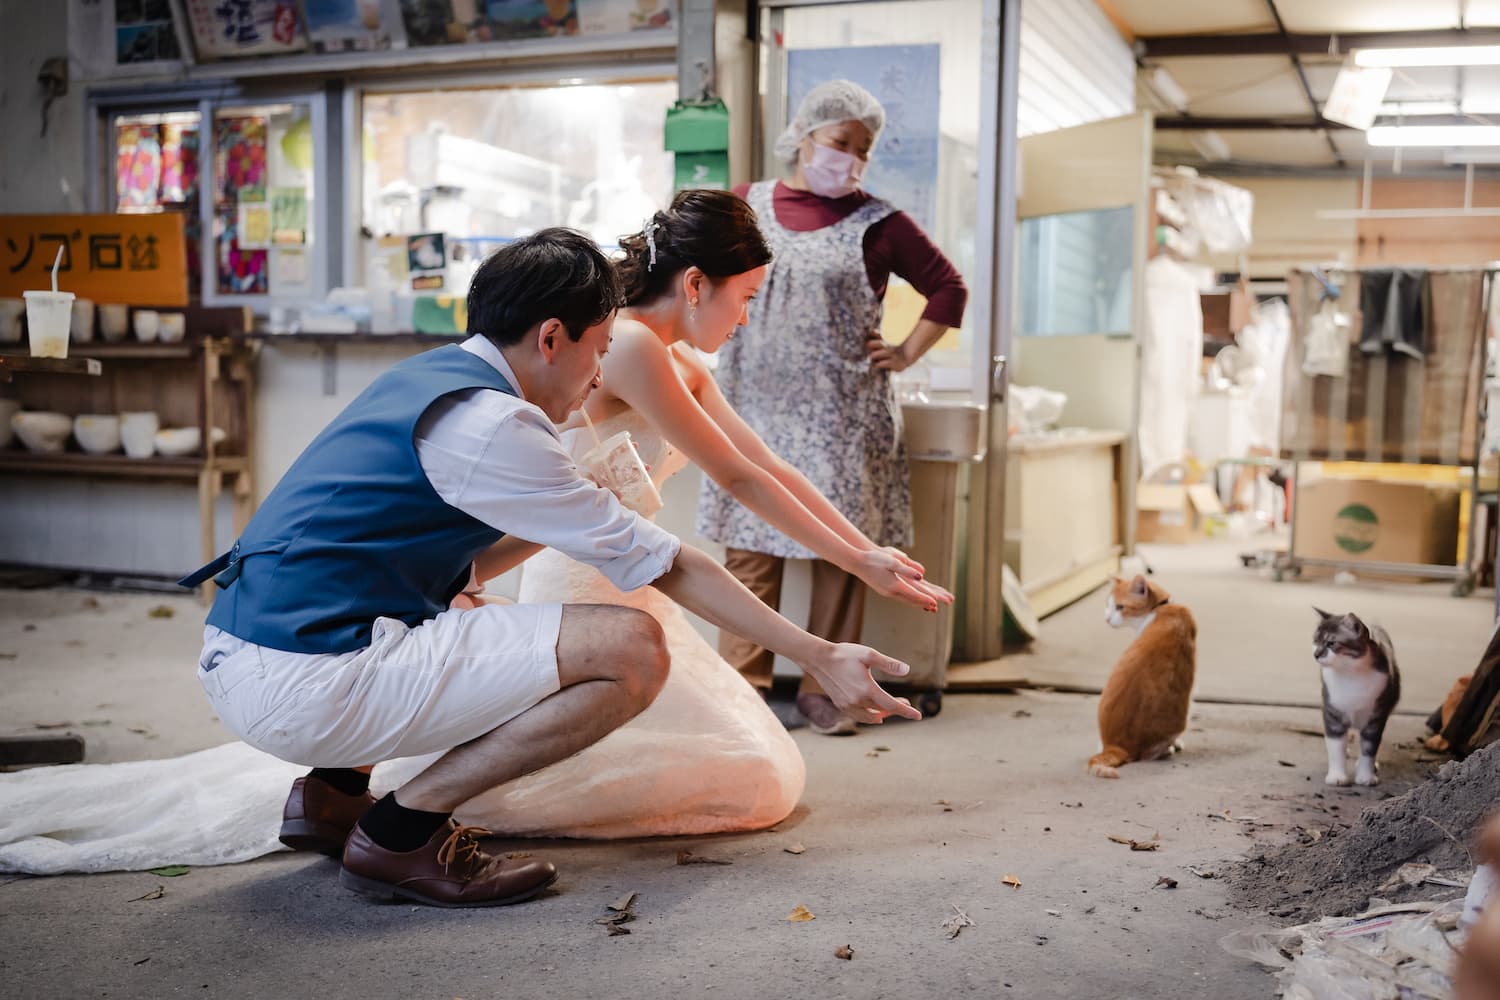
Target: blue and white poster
<point>904,78</point>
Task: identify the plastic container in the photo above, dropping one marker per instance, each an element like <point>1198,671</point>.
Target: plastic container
<point>49,315</point>
<point>615,464</point>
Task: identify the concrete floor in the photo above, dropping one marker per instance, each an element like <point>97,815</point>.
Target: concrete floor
<point>886,861</point>
<point>1255,635</point>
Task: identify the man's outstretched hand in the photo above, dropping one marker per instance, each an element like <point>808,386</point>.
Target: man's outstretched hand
<point>844,673</point>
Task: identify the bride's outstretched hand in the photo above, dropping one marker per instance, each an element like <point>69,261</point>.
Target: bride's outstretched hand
<point>844,674</point>
<point>892,573</point>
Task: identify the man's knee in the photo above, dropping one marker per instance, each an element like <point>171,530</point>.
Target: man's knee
<point>645,659</point>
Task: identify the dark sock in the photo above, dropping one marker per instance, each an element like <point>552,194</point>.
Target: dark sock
<point>397,828</point>
<point>345,779</point>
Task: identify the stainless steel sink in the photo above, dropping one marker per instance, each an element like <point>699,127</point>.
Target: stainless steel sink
<point>944,430</point>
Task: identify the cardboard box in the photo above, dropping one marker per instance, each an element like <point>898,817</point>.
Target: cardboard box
<point>1174,512</point>
<point>1363,520</point>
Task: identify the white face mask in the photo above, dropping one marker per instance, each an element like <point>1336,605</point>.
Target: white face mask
<point>832,173</point>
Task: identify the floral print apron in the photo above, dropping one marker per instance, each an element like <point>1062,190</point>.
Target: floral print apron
<point>799,375</point>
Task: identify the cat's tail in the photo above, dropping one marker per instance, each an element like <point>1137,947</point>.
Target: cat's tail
<point>1106,763</point>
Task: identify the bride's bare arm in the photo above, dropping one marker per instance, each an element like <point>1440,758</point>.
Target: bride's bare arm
<point>504,556</point>
<point>639,371</point>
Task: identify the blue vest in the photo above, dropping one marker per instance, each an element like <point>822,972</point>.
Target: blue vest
<point>354,531</point>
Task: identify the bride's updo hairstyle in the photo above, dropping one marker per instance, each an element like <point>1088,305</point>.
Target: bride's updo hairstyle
<point>714,231</point>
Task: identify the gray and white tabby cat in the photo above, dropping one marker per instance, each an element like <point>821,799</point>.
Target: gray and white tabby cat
<point>1360,689</point>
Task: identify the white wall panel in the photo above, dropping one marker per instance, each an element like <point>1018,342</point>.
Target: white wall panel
<point>1075,67</point>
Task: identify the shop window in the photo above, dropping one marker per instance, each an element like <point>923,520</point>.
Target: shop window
<point>157,169</point>
<point>262,200</point>
<point>496,163</point>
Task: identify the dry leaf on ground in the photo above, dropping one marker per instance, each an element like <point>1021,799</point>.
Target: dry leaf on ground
<point>1137,845</point>
<point>957,922</point>
<point>883,749</point>
<point>624,903</point>
<point>800,915</point>
<point>1012,881</point>
<point>156,893</point>
<point>1201,872</point>
<point>162,611</point>
<point>623,917</point>
<point>871,753</point>
<point>845,952</point>
<point>170,871</point>
<point>615,930</point>
<point>794,849</point>
<point>1170,883</point>
<point>689,858</point>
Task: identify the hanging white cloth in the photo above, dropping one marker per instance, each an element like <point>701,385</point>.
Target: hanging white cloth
<point>1171,361</point>
<point>1264,340</point>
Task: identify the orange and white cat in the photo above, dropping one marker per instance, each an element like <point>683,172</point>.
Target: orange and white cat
<point>1144,708</point>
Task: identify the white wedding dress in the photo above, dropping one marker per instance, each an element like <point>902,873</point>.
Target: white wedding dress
<point>707,756</point>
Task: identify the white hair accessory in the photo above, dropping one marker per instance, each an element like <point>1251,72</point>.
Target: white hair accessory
<point>647,230</point>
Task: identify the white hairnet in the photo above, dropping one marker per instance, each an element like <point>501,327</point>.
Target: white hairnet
<point>828,104</point>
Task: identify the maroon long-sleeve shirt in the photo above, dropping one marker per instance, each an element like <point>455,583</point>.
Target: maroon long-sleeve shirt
<point>894,245</point>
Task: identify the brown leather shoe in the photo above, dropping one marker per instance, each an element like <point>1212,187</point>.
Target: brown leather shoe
<point>318,817</point>
<point>449,870</point>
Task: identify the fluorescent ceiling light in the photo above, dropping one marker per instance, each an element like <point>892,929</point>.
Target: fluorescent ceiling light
<point>1434,135</point>
<point>1210,145</point>
<point>1356,95</point>
<point>1452,55</point>
<point>1460,157</point>
<point>1416,109</point>
<point>1165,86</point>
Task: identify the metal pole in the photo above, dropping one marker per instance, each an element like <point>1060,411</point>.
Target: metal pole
<point>695,50</point>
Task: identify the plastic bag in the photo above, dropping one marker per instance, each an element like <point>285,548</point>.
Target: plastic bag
<point>1327,344</point>
<point>1034,410</point>
<point>1387,951</point>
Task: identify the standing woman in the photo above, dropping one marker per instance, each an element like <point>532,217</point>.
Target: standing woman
<point>810,373</point>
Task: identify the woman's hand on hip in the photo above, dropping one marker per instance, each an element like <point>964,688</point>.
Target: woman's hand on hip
<point>883,355</point>
<point>892,573</point>
<point>843,671</point>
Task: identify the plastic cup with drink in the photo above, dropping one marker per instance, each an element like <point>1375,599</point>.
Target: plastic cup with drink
<point>48,318</point>
<point>614,464</point>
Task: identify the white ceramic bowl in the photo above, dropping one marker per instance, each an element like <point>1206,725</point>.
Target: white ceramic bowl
<point>176,441</point>
<point>173,327</point>
<point>114,322</point>
<point>97,433</point>
<point>147,325</point>
<point>42,430</point>
<point>138,433</point>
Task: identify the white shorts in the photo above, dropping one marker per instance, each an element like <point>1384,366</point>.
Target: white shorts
<point>411,691</point>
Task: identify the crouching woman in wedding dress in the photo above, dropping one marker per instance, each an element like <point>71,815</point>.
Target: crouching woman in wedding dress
<point>707,756</point>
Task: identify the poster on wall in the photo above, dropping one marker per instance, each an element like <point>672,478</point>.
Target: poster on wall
<point>344,25</point>
<point>904,78</point>
<point>144,32</point>
<point>228,29</point>
<point>615,17</point>
<point>458,22</point>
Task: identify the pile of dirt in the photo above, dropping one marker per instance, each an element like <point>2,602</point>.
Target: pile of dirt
<point>1432,823</point>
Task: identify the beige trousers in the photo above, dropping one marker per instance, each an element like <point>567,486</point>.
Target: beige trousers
<point>837,612</point>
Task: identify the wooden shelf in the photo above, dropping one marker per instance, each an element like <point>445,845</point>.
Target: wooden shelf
<point>10,363</point>
<point>129,349</point>
<point>80,463</point>
<point>363,338</point>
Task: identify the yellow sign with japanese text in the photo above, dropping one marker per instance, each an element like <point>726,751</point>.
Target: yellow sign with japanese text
<point>136,260</point>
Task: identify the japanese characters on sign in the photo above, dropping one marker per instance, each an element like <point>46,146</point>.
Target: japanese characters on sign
<point>229,28</point>
<point>130,259</point>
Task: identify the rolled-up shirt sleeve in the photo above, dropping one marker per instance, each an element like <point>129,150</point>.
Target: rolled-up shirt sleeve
<point>512,472</point>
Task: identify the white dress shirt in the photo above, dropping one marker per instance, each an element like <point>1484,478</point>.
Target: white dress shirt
<point>499,459</point>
